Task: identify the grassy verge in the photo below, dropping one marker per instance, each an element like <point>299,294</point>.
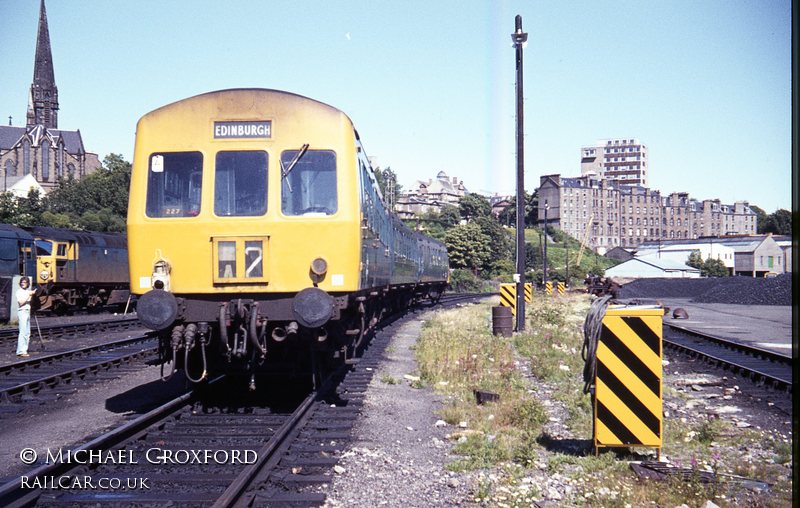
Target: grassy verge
<point>506,440</point>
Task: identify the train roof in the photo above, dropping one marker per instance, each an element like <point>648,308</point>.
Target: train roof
<point>81,237</point>
<point>9,231</point>
<point>266,92</point>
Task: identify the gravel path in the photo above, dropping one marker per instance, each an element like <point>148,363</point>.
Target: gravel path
<point>399,454</point>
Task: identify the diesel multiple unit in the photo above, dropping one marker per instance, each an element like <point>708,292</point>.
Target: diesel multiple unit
<point>256,227</point>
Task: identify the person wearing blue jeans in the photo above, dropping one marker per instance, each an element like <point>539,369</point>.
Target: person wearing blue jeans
<point>24,295</point>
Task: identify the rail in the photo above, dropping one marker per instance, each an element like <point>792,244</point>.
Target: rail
<point>759,364</point>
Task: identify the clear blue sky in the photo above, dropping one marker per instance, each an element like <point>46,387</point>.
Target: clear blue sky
<point>706,84</point>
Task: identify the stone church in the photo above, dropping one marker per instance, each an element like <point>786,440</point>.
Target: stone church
<point>40,154</point>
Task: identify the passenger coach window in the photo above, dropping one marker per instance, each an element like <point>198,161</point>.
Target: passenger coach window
<point>309,182</point>
<point>240,184</point>
<point>173,184</point>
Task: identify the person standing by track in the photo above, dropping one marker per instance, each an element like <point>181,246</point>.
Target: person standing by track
<point>24,296</point>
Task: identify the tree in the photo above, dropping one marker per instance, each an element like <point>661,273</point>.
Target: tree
<point>467,247</point>
<point>779,222</point>
<point>695,260</point>
<point>714,268</point>
<point>761,218</point>
<point>473,206</point>
<point>449,216</point>
<point>431,223</point>
<point>509,214</point>
<point>57,220</point>
<point>500,245</point>
<point>436,224</point>
<point>709,267</point>
<point>387,182</point>
<point>8,208</point>
<point>533,257</point>
<point>30,209</point>
<point>99,202</point>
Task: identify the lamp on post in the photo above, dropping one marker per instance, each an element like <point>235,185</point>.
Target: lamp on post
<point>544,263</point>
<point>519,38</point>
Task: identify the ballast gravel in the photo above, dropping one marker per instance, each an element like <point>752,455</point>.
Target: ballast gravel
<point>400,450</point>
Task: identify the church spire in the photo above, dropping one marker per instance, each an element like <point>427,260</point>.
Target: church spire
<point>43,102</point>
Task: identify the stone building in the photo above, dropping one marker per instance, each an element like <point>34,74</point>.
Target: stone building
<point>430,196</point>
<point>605,214</point>
<point>40,148</point>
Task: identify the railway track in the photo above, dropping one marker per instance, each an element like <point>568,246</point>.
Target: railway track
<point>55,373</point>
<point>288,447</point>
<point>52,331</point>
<point>762,366</point>
<point>204,449</point>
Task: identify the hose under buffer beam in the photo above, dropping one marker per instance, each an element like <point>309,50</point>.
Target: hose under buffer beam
<point>189,336</point>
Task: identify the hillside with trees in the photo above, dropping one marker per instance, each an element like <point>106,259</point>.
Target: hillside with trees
<point>482,246</point>
<point>99,202</point>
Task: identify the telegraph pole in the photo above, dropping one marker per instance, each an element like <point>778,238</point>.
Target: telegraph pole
<point>544,262</point>
<point>519,38</point>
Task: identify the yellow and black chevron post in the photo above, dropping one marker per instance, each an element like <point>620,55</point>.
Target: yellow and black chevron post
<point>548,287</point>
<point>628,400</point>
<point>508,295</point>
<point>561,288</point>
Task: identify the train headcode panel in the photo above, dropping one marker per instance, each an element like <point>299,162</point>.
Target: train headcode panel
<point>258,234</point>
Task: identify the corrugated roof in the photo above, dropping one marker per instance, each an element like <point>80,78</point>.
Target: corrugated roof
<point>666,265</point>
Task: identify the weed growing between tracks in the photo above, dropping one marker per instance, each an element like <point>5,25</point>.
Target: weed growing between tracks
<point>538,376</point>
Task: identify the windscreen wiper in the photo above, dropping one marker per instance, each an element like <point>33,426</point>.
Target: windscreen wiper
<point>286,169</point>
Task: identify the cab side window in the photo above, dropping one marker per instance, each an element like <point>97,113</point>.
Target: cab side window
<point>309,187</point>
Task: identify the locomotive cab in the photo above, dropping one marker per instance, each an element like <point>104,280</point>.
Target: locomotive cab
<point>255,224</point>
<point>55,261</point>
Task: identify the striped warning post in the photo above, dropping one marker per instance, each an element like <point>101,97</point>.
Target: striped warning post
<point>628,400</point>
<point>508,295</point>
<point>561,288</point>
<point>548,287</point>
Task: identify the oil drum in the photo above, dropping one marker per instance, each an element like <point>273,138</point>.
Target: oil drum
<point>502,321</point>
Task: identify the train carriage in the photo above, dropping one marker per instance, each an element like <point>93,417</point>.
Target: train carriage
<point>16,258</point>
<point>80,269</point>
<point>255,217</point>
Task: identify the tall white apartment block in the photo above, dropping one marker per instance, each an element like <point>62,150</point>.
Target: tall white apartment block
<point>623,161</point>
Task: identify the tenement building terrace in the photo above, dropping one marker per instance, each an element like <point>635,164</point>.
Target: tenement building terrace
<point>605,214</point>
